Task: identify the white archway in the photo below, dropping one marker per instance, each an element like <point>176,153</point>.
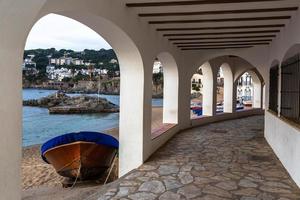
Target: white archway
<point>132,84</point>
<point>257,83</point>
<point>132,132</point>
<point>257,87</point>
<point>208,102</point>
<point>228,88</point>
<point>233,68</point>
<point>171,86</point>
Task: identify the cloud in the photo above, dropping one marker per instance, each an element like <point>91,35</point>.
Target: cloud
<point>63,33</point>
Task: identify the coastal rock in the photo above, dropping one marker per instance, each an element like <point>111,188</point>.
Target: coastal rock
<point>61,103</point>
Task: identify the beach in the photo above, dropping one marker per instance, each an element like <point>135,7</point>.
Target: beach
<point>38,176</point>
<point>37,173</point>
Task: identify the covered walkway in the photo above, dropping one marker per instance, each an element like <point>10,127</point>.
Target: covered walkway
<point>225,160</point>
<point>230,159</point>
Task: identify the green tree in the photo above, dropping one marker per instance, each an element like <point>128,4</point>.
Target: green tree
<point>157,79</point>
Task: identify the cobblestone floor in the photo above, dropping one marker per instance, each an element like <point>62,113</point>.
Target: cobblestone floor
<point>226,160</point>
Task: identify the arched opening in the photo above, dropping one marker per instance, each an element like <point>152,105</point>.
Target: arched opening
<point>249,91</point>
<point>202,97</point>
<point>60,75</point>
<point>132,84</point>
<point>237,86</point>
<point>196,94</point>
<point>224,89</point>
<point>165,85</point>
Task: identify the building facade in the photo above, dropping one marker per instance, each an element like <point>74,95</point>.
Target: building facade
<point>245,88</point>
<point>66,61</point>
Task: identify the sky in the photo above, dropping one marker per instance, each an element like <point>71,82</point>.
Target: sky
<point>63,33</point>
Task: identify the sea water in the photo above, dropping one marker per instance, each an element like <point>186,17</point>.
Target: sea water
<point>39,126</point>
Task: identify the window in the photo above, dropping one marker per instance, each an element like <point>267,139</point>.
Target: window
<point>290,91</point>
<point>273,94</point>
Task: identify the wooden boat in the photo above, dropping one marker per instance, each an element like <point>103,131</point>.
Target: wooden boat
<point>220,108</point>
<point>197,110</point>
<point>83,155</point>
<point>247,103</point>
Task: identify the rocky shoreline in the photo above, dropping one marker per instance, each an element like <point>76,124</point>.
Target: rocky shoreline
<point>60,103</point>
<point>72,91</point>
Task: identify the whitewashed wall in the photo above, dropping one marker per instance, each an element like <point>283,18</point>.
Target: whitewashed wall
<point>285,141</point>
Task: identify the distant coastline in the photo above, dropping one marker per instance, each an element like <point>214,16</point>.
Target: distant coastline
<point>69,91</point>
<point>84,91</point>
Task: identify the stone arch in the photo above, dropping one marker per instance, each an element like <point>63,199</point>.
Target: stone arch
<point>171,86</point>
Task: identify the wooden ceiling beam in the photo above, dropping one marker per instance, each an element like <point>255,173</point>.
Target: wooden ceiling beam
<point>222,38</point>
<point>186,3</point>
<point>237,19</point>
<point>224,42</point>
<point>218,12</point>
<point>222,27</point>
<point>208,48</point>
<point>223,45</point>
<point>220,33</point>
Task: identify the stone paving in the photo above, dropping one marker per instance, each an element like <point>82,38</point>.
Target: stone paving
<point>226,160</point>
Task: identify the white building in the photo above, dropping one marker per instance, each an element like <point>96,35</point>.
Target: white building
<point>60,73</point>
<point>196,83</point>
<point>28,62</point>
<point>157,67</point>
<point>101,71</point>
<point>66,61</point>
<point>245,90</point>
<point>113,61</point>
<point>77,61</point>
